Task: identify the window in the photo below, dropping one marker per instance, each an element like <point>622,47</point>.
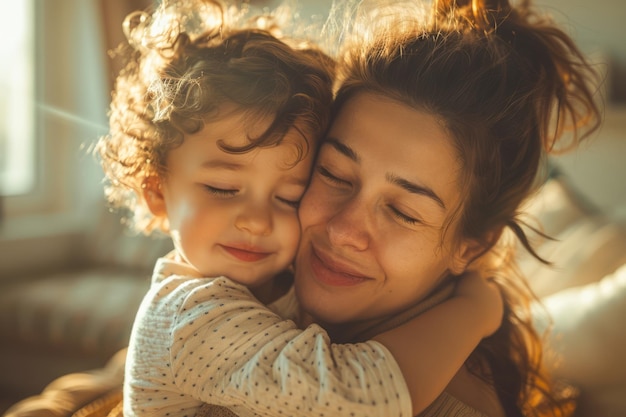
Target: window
<point>17,173</point>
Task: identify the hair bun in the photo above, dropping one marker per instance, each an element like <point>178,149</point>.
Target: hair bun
<point>484,15</point>
<point>489,14</point>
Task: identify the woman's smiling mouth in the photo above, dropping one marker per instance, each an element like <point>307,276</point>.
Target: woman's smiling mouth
<point>331,272</point>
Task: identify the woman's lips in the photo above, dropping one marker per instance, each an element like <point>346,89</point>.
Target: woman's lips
<point>331,273</point>
<point>246,255</point>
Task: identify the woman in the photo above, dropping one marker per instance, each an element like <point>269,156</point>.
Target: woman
<point>438,137</point>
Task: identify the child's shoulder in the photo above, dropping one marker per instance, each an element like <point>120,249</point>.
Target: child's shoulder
<point>181,296</point>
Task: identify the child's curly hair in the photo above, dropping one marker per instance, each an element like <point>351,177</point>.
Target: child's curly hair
<point>183,61</point>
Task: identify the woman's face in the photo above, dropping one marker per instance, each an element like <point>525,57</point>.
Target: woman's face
<point>385,182</point>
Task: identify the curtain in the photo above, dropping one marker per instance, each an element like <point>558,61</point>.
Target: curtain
<point>113,13</point>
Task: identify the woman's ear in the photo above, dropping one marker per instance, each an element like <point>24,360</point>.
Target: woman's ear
<point>465,253</point>
<point>153,195</point>
<point>471,249</point>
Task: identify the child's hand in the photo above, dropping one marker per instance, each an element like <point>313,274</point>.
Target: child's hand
<point>486,298</point>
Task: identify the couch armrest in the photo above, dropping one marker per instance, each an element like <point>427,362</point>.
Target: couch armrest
<point>67,394</point>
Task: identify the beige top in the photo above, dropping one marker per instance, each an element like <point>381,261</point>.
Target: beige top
<point>448,406</point>
<point>444,406</point>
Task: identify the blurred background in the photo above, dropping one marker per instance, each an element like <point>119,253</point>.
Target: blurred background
<point>65,262</point>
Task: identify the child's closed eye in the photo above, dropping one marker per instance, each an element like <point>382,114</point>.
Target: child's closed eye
<point>289,202</point>
<point>221,192</point>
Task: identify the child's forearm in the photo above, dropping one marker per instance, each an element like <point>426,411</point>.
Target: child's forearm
<point>431,348</point>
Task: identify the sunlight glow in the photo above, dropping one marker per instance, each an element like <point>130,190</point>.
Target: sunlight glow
<point>17,171</point>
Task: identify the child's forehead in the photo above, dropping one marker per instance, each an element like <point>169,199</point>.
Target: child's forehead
<point>237,126</point>
<point>248,116</point>
<point>219,146</point>
<point>243,125</point>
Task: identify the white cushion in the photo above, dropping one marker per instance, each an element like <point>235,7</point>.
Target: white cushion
<point>588,342</point>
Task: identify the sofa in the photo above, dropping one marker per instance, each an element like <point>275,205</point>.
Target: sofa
<point>87,313</point>
<point>76,315</point>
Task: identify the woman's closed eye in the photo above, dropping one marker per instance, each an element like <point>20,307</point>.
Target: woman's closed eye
<point>403,217</point>
<point>332,178</point>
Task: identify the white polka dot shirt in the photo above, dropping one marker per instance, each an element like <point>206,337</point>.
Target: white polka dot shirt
<point>208,340</point>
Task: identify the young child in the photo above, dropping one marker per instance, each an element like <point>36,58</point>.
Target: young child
<point>213,133</point>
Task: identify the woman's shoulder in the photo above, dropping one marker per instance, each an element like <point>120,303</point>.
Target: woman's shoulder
<point>447,405</point>
<point>467,395</point>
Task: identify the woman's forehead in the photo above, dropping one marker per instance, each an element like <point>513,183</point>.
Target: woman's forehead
<point>392,139</point>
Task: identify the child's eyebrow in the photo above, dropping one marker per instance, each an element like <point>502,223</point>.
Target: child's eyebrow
<point>235,166</point>
<point>298,181</point>
<point>223,164</point>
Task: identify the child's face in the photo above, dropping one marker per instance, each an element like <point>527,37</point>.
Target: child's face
<point>234,214</point>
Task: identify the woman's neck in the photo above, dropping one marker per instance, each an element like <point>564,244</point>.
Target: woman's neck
<point>360,331</point>
<point>273,289</point>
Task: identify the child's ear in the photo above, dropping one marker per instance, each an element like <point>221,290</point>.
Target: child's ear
<point>153,195</point>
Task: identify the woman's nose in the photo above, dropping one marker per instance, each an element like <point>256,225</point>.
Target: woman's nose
<point>349,226</point>
<point>255,218</point>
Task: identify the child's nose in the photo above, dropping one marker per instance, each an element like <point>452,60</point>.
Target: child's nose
<point>256,219</point>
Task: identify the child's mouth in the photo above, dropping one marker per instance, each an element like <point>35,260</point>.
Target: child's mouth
<point>246,255</point>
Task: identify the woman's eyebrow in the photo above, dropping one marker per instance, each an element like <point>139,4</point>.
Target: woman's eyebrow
<point>415,188</point>
<point>343,149</point>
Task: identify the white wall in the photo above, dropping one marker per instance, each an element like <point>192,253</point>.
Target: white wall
<point>598,167</point>
<point>598,26</point>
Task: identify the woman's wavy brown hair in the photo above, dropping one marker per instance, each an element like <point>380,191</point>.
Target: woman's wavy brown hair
<point>184,60</point>
<point>510,88</point>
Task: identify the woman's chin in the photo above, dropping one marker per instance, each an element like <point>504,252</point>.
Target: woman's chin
<point>326,308</point>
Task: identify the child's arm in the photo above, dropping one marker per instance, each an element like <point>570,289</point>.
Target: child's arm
<point>432,347</point>
<point>229,350</point>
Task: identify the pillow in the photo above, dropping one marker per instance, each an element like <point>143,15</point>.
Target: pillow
<point>586,245</point>
<point>584,253</point>
<point>587,343</point>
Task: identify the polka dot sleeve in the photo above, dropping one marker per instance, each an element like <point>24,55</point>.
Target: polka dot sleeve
<point>227,349</point>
